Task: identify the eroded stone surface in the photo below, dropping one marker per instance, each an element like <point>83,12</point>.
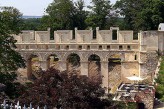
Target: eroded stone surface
<point>138,57</point>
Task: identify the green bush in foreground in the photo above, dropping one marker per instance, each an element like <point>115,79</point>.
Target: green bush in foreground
<point>160,82</point>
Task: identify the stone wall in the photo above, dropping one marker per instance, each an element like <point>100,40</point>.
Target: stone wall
<point>77,36</point>
<point>149,63</point>
<point>150,40</point>
<point>114,70</point>
<point>129,69</point>
<point>146,98</point>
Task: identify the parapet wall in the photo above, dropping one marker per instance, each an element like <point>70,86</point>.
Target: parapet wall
<point>113,39</point>
<point>114,35</point>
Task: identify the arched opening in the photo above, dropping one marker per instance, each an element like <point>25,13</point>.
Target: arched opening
<point>73,63</point>
<point>94,68</point>
<point>33,66</point>
<point>141,106</point>
<point>52,61</point>
<point>114,70</point>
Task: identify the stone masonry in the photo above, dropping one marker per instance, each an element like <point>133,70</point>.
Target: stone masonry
<point>137,56</point>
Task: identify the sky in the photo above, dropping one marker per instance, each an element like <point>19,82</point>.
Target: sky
<point>32,7</point>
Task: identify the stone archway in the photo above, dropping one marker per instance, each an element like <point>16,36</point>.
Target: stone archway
<point>114,70</point>
<point>141,105</point>
<point>53,61</point>
<point>33,65</point>
<point>73,63</point>
<point>94,67</point>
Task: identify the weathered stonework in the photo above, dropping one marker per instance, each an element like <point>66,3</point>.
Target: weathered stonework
<point>136,56</point>
<point>149,65</point>
<point>146,98</point>
<point>114,74</point>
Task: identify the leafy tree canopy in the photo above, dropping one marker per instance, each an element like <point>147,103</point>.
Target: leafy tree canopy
<point>68,91</point>
<point>10,19</point>
<point>10,60</point>
<point>31,24</point>
<point>61,14</point>
<point>65,14</point>
<point>100,12</point>
<point>141,14</point>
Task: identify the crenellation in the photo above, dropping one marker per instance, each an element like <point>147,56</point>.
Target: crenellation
<point>42,36</point>
<point>125,36</point>
<point>116,49</point>
<point>81,36</point>
<point>103,36</point>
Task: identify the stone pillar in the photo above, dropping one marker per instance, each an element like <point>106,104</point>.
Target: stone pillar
<point>84,67</point>
<point>104,73</point>
<point>48,63</point>
<point>43,65</point>
<point>62,65</point>
<point>29,69</point>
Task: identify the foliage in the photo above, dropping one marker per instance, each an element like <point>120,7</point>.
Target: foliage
<point>60,14</point>
<point>99,14</point>
<point>74,59</point>
<point>160,82</point>
<point>139,18</point>
<point>126,14</point>
<point>10,61</point>
<point>9,22</point>
<point>31,24</point>
<point>64,14</point>
<point>13,89</point>
<point>80,15</point>
<point>130,105</point>
<point>58,89</point>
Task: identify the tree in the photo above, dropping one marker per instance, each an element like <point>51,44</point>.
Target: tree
<point>10,24</point>
<point>160,82</point>
<point>100,12</point>
<point>141,14</point>
<point>60,13</point>
<point>68,91</point>
<point>65,14</point>
<point>31,24</point>
<point>80,15</point>
<point>10,60</point>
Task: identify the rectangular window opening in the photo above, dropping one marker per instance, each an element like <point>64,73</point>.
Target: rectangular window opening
<point>108,47</point>
<point>27,47</point>
<point>88,47</point>
<point>128,47</point>
<point>114,34</point>
<point>94,34</point>
<point>135,57</point>
<point>100,47</point>
<point>80,47</point>
<point>120,47</point>
<point>73,36</point>
<point>135,36</point>
<point>67,47</point>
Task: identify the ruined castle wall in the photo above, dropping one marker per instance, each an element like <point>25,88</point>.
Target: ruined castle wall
<point>114,70</point>
<point>104,36</point>
<point>83,36</point>
<point>161,42</point>
<point>25,37</point>
<point>149,63</point>
<point>125,36</point>
<point>129,69</point>
<point>61,36</point>
<point>150,40</point>
<point>42,36</point>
